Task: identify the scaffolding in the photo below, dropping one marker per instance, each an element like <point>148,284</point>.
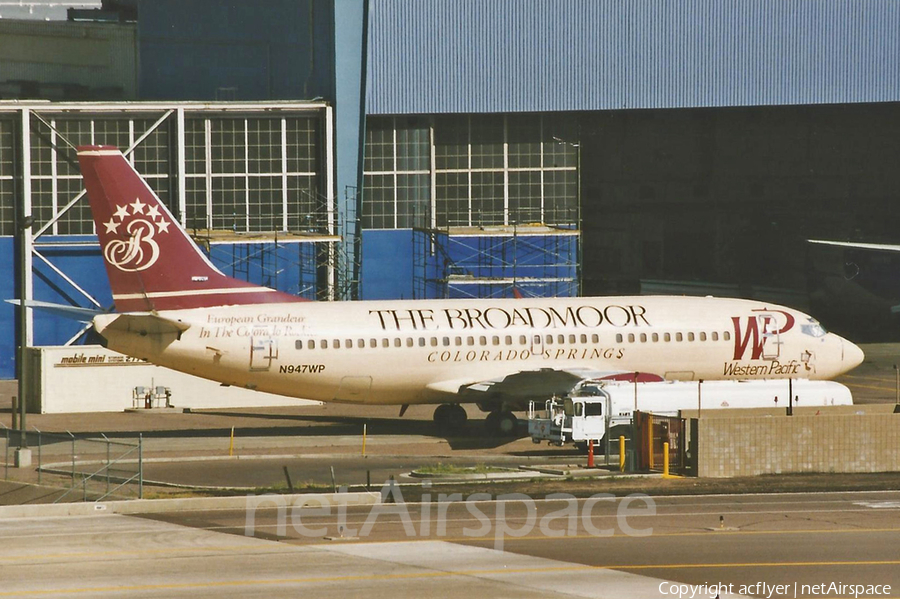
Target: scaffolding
<point>309,261</point>
<point>505,261</point>
<point>499,261</point>
<point>291,262</point>
<point>431,263</point>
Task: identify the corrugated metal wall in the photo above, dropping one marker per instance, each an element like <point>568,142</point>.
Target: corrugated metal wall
<point>444,56</point>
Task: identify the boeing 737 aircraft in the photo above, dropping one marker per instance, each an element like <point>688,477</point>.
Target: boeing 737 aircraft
<point>175,309</point>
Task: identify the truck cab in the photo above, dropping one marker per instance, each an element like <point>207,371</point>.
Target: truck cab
<point>577,418</point>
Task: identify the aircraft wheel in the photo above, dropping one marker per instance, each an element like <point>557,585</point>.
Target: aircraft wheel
<point>450,416</point>
<point>492,423</point>
<point>507,424</point>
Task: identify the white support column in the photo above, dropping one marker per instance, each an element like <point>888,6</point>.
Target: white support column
<point>247,227</point>
<point>394,170</point>
<point>432,177</point>
<point>505,171</point>
<point>541,166</point>
<point>207,142</point>
<point>330,207</point>
<point>180,157</point>
<point>469,168</point>
<point>27,257</point>
<point>130,155</point>
<point>54,180</point>
<point>284,176</point>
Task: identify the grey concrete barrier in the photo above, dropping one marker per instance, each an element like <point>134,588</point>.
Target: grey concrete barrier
<point>185,504</point>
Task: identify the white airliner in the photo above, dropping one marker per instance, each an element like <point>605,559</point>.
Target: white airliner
<point>177,310</point>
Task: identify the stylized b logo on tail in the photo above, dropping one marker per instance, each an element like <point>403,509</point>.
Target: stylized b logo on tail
<point>139,252</point>
<point>152,263</point>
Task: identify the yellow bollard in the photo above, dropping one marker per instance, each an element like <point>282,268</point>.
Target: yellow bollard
<point>231,445</point>
<point>665,460</point>
<point>364,440</point>
<point>621,453</point>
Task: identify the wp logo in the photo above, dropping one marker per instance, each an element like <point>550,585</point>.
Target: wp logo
<point>760,333</point>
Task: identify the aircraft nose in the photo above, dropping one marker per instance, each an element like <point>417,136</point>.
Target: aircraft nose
<point>852,355</point>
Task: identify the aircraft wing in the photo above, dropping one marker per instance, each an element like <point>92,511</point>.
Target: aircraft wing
<point>66,311</point>
<point>535,384</point>
<point>881,247</point>
<point>887,247</point>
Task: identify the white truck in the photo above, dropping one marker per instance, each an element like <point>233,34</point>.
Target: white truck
<point>596,406</point>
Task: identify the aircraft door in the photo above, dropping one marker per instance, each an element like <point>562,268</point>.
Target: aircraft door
<point>771,336</point>
<point>537,344</point>
<point>262,351</point>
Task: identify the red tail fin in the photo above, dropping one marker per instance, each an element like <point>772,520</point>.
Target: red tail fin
<point>151,262</point>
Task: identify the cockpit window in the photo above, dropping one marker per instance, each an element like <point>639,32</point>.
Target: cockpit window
<point>813,329</point>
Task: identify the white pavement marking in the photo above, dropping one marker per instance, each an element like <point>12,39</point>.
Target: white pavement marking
<point>532,573</point>
<point>888,505</point>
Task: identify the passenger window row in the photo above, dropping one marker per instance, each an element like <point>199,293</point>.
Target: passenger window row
<point>467,341</point>
<point>676,337</point>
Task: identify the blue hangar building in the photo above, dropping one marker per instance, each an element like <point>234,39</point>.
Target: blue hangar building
<point>369,149</point>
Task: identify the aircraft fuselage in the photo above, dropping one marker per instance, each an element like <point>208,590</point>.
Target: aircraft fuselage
<point>405,352</point>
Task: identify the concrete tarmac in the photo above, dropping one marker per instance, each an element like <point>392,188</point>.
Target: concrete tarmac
<point>795,539</point>
<point>645,548</point>
<point>875,380</point>
<point>107,556</point>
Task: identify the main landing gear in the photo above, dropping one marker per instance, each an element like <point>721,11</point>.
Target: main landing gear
<point>502,423</point>
<point>450,417</point>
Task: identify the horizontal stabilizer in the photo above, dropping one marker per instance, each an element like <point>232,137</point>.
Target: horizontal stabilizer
<point>141,323</point>
<point>66,311</point>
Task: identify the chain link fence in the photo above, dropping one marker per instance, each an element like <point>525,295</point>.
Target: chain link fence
<point>84,468</point>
